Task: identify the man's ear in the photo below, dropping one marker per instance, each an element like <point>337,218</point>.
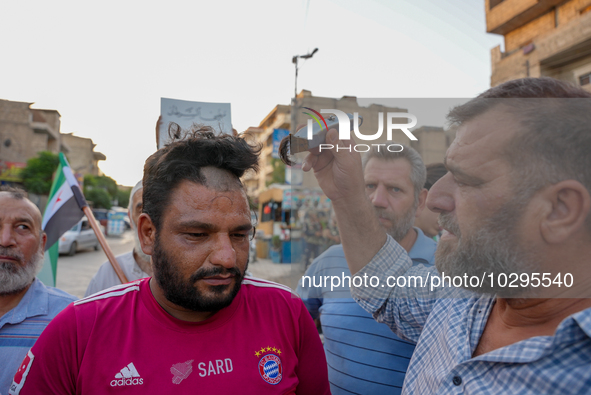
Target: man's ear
<point>569,205</point>
<point>146,233</point>
<point>43,240</point>
<point>422,202</point>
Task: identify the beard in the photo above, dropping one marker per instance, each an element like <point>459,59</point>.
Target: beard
<point>493,248</point>
<point>185,293</point>
<point>401,224</point>
<point>14,276</point>
<point>138,246</point>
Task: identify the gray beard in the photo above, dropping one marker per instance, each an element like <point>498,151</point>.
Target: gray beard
<point>493,248</point>
<point>401,223</point>
<point>15,277</point>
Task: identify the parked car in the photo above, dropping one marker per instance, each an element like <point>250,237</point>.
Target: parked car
<point>80,237</point>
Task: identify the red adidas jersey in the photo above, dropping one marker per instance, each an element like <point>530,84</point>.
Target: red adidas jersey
<point>120,341</point>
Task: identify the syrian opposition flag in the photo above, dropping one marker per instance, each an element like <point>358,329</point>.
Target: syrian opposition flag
<point>63,211</point>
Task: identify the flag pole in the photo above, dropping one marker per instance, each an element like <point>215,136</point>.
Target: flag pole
<point>103,242</point>
<point>91,220</point>
<point>61,214</point>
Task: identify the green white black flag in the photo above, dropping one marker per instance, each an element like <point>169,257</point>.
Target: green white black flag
<point>63,211</point>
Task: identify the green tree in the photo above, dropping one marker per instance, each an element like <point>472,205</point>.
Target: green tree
<point>89,182</point>
<point>108,184</point>
<point>99,198</point>
<point>38,175</point>
<point>109,190</point>
<point>123,197</point>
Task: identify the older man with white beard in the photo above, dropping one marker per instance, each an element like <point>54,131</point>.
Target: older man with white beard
<point>135,264</point>
<point>26,305</point>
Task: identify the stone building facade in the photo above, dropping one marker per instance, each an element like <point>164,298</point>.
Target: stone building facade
<point>26,131</point>
<point>252,180</point>
<point>82,156</point>
<point>23,133</point>
<point>541,38</point>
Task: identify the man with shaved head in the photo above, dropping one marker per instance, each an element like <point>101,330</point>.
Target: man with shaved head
<point>198,325</point>
<point>26,305</point>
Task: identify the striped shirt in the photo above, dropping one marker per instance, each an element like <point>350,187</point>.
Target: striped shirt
<point>364,357</point>
<point>21,326</point>
<point>450,328</point>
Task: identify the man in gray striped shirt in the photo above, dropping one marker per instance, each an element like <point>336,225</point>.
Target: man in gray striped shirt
<point>364,356</point>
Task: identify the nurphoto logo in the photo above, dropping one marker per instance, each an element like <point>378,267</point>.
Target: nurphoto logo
<point>347,122</point>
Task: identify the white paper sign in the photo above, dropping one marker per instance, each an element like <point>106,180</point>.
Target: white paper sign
<point>185,113</point>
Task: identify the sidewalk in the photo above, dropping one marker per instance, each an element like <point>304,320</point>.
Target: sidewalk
<point>283,273</point>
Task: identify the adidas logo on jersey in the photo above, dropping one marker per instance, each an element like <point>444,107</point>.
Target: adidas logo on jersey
<point>127,376</point>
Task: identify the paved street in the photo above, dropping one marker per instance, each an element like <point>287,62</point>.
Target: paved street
<point>286,274</point>
<point>75,272</point>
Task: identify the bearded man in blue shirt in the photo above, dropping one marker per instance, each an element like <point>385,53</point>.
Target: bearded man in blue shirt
<point>514,314</point>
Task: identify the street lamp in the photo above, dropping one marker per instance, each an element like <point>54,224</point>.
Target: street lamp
<point>294,60</point>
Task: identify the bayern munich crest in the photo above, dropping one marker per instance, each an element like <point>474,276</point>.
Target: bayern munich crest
<point>271,369</point>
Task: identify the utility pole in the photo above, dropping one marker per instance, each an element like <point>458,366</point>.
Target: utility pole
<point>294,105</point>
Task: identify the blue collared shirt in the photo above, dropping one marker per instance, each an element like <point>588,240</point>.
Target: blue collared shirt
<point>21,326</point>
<point>450,323</point>
<point>364,357</point>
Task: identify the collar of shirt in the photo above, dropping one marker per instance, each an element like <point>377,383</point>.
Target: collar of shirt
<point>35,302</point>
<point>423,248</point>
<point>443,363</point>
<point>572,329</point>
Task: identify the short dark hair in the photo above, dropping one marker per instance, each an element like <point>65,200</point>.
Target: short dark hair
<point>434,172</point>
<point>15,192</point>
<point>183,159</point>
<point>554,141</point>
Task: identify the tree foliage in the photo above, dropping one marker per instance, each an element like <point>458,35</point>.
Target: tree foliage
<point>109,191</point>
<point>99,198</point>
<point>38,175</point>
<point>123,197</point>
<point>89,181</point>
<point>100,190</point>
<point>108,184</point>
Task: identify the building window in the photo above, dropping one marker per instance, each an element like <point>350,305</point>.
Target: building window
<point>585,79</point>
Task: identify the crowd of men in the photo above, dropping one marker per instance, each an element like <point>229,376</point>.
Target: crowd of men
<point>513,204</point>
